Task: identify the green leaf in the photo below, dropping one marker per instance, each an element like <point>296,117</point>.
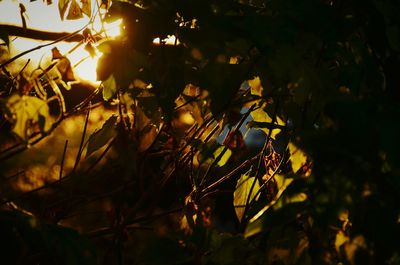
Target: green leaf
<point>109,88</point>
<point>25,112</point>
<point>101,137</point>
<point>242,193</point>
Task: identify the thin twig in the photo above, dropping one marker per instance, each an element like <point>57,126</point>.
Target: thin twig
<point>63,159</point>
<point>229,175</point>
<point>80,150</point>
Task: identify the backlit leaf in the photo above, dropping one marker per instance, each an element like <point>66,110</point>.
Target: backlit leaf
<point>75,11</point>
<point>242,193</point>
<point>102,136</point>
<point>26,112</point>
<point>255,86</point>
<point>62,7</point>
<point>87,7</point>
<point>259,115</point>
<point>282,183</point>
<point>341,238</point>
<point>109,87</point>
<point>225,157</point>
<point>297,157</point>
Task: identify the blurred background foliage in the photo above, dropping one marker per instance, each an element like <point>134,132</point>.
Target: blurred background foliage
<point>218,132</point>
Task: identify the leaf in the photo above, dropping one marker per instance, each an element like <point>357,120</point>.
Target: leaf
<point>147,137</point>
<point>62,7</point>
<point>105,67</point>
<point>27,111</point>
<point>297,157</point>
<point>75,11</point>
<point>56,54</point>
<point>341,238</point>
<point>101,137</point>
<point>222,81</point>
<point>255,86</point>
<point>225,157</point>
<point>90,49</point>
<point>65,68</point>
<point>259,115</point>
<point>4,37</point>
<point>109,88</point>
<point>282,183</point>
<point>242,193</point>
<point>87,7</point>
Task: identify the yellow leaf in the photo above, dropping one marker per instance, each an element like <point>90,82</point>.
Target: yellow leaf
<point>225,157</point>
<point>259,115</point>
<point>242,193</point>
<point>282,182</point>
<point>255,86</point>
<point>127,100</point>
<point>297,157</point>
<point>27,111</point>
<point>340,239</point>
<point>298,197</point>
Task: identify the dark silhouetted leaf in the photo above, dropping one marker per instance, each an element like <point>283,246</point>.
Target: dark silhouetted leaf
<point>102,136</point>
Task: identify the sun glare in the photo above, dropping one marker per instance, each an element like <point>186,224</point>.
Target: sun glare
<point>41,16</point>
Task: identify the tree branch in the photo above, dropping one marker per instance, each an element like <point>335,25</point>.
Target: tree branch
<point>38,34</point>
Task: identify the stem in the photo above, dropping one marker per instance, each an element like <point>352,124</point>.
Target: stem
<point>78,157</point>
<point>38,34</point>
<point>62,159</point>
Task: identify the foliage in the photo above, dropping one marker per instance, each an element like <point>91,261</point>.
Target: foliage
<point>178,168</point>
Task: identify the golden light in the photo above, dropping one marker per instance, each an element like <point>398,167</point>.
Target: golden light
<point>41,16</point>
<point>170,40</point>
